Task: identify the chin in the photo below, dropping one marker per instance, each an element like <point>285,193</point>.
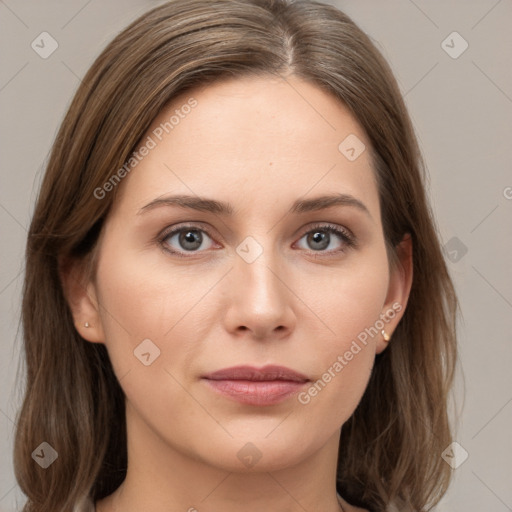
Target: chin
<point>253,454</point>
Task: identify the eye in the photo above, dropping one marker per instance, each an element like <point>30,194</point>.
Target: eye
<point>194,239</point>
<point>185,239</point>
<point>320,238</point>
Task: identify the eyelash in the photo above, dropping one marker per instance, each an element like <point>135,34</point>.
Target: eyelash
<point>349,241</point>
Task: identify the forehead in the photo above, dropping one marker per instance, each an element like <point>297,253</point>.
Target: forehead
<point>250,141</point>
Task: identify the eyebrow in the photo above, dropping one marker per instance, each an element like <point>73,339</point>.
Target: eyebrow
<point>222,208</point>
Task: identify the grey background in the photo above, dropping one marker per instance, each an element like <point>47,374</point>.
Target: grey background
<point>462,111</point>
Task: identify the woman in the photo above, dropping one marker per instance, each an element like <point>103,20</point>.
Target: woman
<point>235,296</point>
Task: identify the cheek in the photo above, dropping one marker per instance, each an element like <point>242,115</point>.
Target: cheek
<point>349,306</point>
<point>349,299</point>
<point>149,314</point>
<point>142,300</point>
<point>144,294</point>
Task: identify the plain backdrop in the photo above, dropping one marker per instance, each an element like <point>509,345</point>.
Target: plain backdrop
<point>460,101</point>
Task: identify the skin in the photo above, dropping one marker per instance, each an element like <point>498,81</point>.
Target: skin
<point>259,144</point>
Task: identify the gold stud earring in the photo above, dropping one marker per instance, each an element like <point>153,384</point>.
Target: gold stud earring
<point>386,336</point>
<point>87,324</point>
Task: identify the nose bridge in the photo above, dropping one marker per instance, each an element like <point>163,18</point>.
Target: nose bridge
<point>256,269</point>
<point>259,299</point>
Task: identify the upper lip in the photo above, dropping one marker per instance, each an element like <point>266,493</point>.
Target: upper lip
<point>266,373</point>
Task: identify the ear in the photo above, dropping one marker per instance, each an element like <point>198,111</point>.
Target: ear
<point>399,288</point>
<point>81,296</point>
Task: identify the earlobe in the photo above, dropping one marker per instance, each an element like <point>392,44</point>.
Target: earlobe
<point>80,294</point>
<point>399,288</point>
<point>383,341</point>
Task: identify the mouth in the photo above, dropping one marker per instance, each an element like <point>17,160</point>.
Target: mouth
<point>256,386</point>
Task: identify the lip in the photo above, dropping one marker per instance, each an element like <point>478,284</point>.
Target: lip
<point>268,385</point>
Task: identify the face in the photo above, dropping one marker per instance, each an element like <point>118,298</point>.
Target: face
<point>268,274</point>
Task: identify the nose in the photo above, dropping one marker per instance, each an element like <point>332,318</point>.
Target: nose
<point>260,302</point>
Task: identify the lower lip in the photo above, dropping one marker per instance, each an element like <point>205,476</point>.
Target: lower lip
<point>256,392</point>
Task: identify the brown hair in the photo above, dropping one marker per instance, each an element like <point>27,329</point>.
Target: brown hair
<point>390,448</point>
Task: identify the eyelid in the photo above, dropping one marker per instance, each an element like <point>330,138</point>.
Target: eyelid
<point>192,225</point>
<point>328,226</point>
<point>348,238</point>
